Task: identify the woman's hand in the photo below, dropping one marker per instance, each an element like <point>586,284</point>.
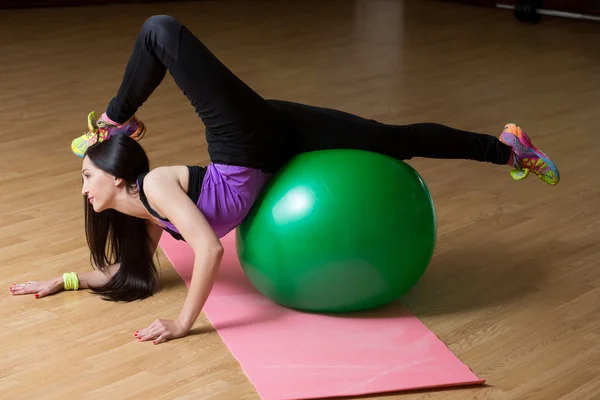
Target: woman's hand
<point>40,289</point>
<point>162,330</point>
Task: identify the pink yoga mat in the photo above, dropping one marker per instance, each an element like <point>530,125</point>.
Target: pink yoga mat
<point>288,354</point>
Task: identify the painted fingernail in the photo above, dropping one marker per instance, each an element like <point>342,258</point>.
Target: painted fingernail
<point>37,296</point>
<point>154,341</point>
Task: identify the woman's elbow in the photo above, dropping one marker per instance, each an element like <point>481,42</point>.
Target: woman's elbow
<point>218,250</point>
<point>210,249</point>
<point>215,251</point>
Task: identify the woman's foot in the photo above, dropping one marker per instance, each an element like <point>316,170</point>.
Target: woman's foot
<point>527,158</point>
<point>103,128</point>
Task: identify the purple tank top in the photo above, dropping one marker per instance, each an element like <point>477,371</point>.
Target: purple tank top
<point>228,193</point>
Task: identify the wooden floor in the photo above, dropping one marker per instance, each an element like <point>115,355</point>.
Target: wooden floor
<point>514,286</point>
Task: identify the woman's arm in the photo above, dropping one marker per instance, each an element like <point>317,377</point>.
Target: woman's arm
<point>89,279</point>
<point>92,279</point>
<point>96,278</point>
<point>164,192</point>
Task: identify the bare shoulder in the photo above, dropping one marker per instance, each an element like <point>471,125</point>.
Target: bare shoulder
<point>169,174</point>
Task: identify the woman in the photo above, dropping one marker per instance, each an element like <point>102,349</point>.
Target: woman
<point>249,138</point>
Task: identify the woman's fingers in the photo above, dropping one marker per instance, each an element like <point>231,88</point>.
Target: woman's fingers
<point>24,288</point>
<point>146,333</point>
<point>161,338</point>
<point>40,289</point>
<point>157,332</point>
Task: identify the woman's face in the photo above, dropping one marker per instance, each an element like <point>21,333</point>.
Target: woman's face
<point>99,186</point>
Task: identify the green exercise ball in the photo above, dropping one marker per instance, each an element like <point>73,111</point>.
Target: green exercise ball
<point>338,231</point>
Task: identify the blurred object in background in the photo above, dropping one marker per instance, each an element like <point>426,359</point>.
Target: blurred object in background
<point>533,10</point>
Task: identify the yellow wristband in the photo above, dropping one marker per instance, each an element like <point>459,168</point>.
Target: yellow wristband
<point>71,281</point>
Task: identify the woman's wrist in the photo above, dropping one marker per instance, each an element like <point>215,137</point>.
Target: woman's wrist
<point>185,324</point>
<point>70,281</point>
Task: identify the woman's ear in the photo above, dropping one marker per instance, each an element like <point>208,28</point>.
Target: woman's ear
<point>118,181</point>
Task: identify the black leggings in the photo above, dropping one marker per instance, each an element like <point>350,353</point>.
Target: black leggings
<point>244,129</point>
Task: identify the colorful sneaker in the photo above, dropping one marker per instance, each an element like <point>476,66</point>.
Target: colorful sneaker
<point>103,128</point>
<point>527,157</point>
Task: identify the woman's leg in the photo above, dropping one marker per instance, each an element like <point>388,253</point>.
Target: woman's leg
<point>320,128</point>
<point>235,117</point>
<point>317,128</point>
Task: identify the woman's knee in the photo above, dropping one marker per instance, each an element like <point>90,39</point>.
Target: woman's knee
<point>161,24</point>
<point>164,32</point>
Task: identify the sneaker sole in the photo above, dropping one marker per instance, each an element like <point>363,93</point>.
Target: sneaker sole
<point>136,137</point>
<point>139,135</point>
<point>540,154</point>
<point>75,151</point>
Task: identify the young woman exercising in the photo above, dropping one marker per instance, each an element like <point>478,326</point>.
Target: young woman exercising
<point>127,206</point>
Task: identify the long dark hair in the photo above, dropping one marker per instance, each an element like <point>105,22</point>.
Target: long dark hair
<point>114,237</point>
